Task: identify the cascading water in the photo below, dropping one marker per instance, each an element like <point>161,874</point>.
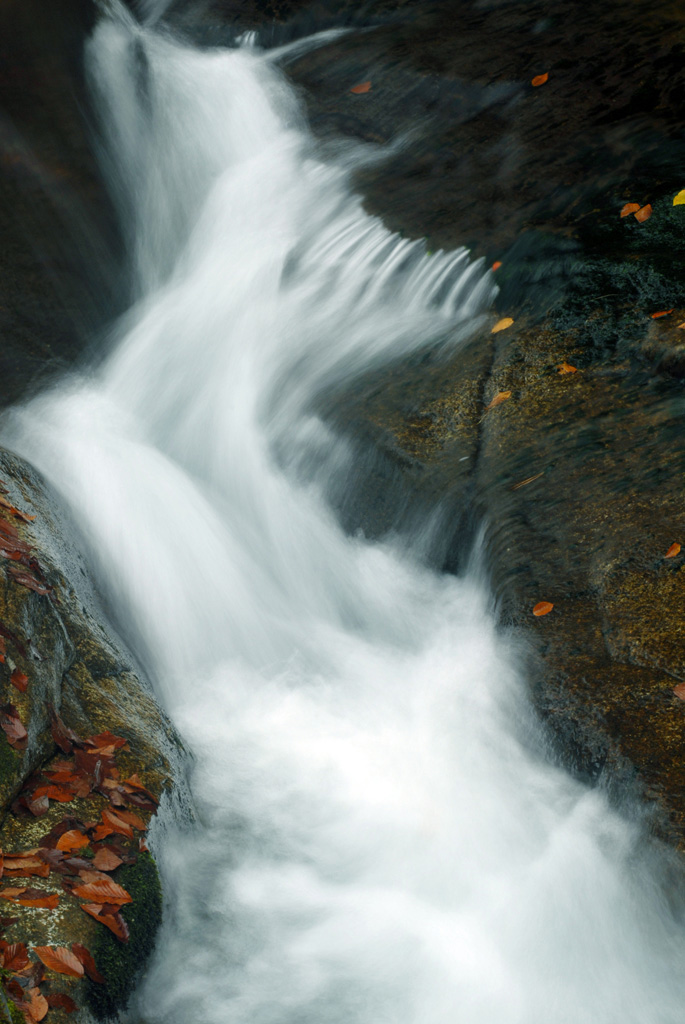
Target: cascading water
<point>375,842</point>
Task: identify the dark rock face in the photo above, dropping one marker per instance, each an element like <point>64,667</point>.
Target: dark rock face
<point>60,277</point>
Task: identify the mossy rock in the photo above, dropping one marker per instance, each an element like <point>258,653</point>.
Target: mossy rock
<point>121,963</point>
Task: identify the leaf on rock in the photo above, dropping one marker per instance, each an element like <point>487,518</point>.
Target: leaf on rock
<point>71,841</point>
<point>19,680</point>
<point>679,691</point>
<point>542,608</point>
<point>13,727</point>
<point>629,208</point>
<point>500,397</point>
<point>60,959</point>
<point>86,958</point>
<point>61,1001</point>
<point>539,79</point>
<point>114,922</point>
<point>497,264</point>
<point>64,737</point>
<point>105,891</point>
<point>679,198</point>
<point>106,860</point>
<point>115,823</point>
<point>37,1005</point>
<point>673,551</point>
<point>663,312</point>
<point>15,957</point>
<point>567,368</point>
<point>361,88</point>
<point>644,213</point>
<point>27,579</point>
<point>31,898</point>
<point>502,325</point>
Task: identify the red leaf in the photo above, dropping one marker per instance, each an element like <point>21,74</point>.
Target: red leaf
<point>663,312</point>
<point>13,727</point>
<point>542,608</point>
<point>15,957</point>
<point>60,959</point>
<point>31,898</point>
<point>117,824</point>
<point>61,1001</point>
<point>86,958</point>
<point>64,737</point>
<point>19,680</point>
<point>361,88</point>
<point>27,579</point>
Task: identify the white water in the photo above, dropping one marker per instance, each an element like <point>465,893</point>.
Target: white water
<point>376,845</point>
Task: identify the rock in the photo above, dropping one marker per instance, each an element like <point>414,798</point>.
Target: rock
<point>60,640</point>
<point>60,262</point>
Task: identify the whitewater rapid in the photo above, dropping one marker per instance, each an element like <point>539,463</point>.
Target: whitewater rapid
<point>378,836</point>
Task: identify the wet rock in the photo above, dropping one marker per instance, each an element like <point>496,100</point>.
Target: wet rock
<point>60,260</point>
<point>58,637</point>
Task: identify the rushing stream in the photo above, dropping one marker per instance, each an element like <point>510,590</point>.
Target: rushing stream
<point>379,839</point>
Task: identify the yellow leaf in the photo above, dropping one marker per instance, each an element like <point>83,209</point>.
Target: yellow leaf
<point>502,325</point>
<point>500,397</point>
<point>679,200</point>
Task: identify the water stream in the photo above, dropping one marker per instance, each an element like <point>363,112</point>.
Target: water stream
<point>379,839</point>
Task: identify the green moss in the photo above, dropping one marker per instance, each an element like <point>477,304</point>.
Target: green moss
<point>121,963</point>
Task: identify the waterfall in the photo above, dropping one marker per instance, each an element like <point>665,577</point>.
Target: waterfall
<point>379,837</point>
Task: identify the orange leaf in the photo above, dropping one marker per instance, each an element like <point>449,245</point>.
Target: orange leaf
<point>542,608</point>
<point>681,326</point>
<point>679,690</point>
<point>105,891</point>
<point>497,264</point>
<point>673,551</point>
<point>37,1005</point>
<point>362,87</point>
<point>114,922</point>
<point>19,680</point>
<point>540,79</point>
<point>502,325</point>
<point>113,821</point>
<point>60,959</point>
<point>102,831</point>
<point>72,840</point>
<point>132,819</point>
<point>664,312</point>
<point>630,208</point>
<point>48,901</point>
<point>644,213</point>
<point>500,397</point>
<point>567,368</point>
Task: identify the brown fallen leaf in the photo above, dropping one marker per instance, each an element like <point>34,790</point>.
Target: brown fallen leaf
<point>681,326</point>
<point>500,397</point>
<point>105,891</point>
<point>64,737</point>
<point>61,1001</point>
<point>106,860</point>
<point>502,325</point>
<point>27,579</point>
<point>663,312</point>
<point>679,691</point>
<point>644,213</point>
<point>13,727</point>
<point>673,551</point>
<point>114,922</point>
<point>37,1005</point>
<point>629,208</point>
<point>16,512</point>
<point>542,608</point>
<point>117,824</point>
<point>72,840</point>
<point>19,680</point>
<point>31,898</point>
<point>361,88</point>
<point>86,958</point>
<point>539,79</point>
<point>60,959</point>
<point>132,819</point>
<point>567,368</point>
<point>15,957</point>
